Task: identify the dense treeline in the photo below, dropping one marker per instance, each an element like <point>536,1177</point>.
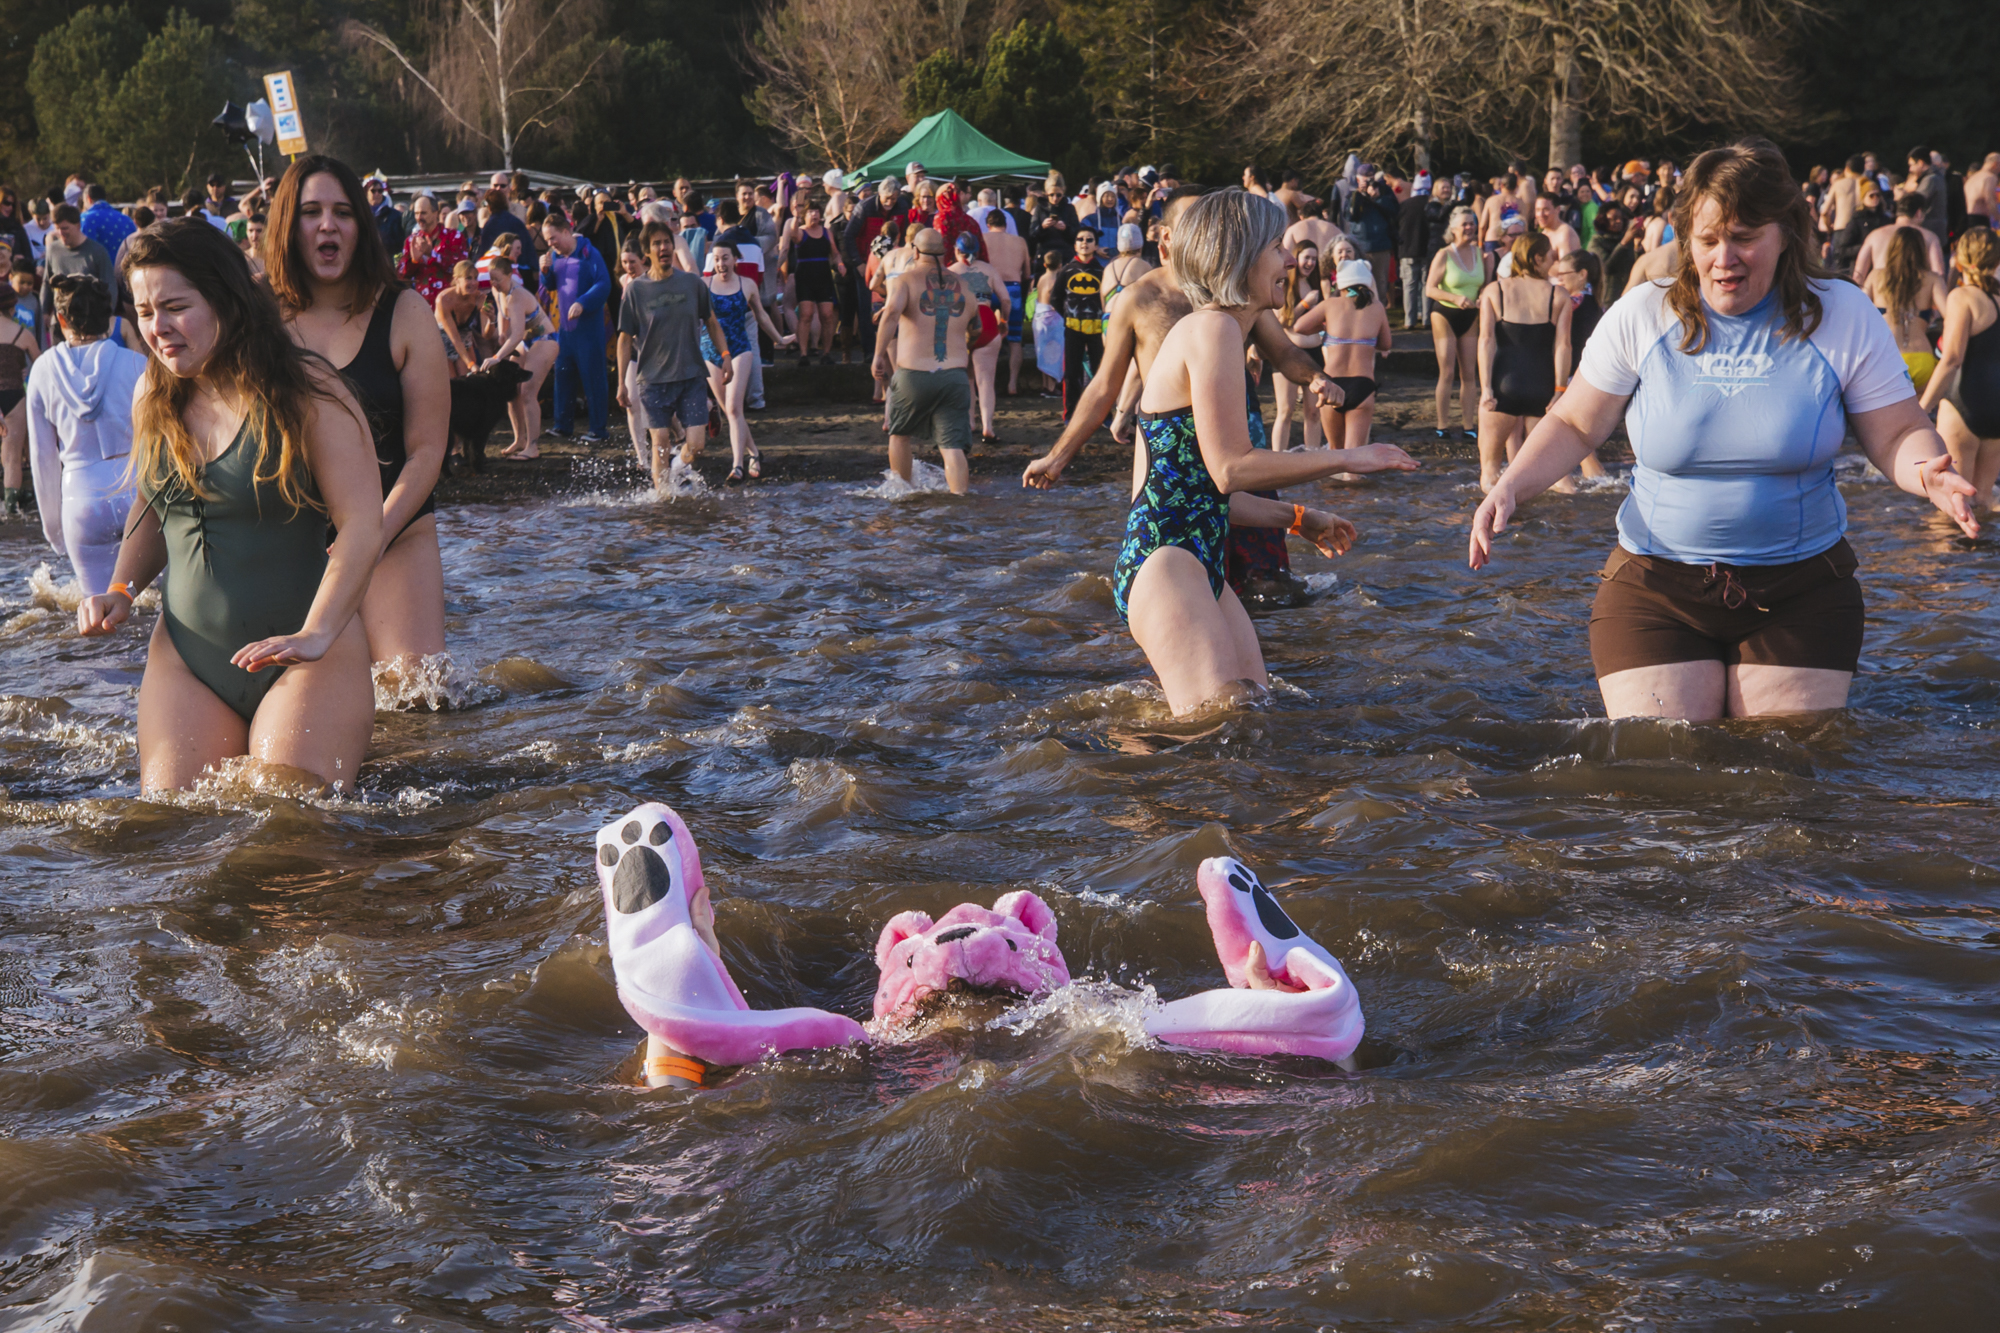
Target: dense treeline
<point>646,88</point>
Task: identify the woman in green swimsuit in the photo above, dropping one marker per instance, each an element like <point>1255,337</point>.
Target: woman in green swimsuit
<point>244,447</point>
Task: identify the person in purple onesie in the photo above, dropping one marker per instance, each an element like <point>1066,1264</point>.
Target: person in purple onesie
<point>575,272</point>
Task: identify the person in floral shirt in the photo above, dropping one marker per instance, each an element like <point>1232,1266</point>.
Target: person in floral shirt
<point>431,251</point>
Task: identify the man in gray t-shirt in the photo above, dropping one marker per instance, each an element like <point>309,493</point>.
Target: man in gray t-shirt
<point>68,250</point>
<point>660,324</point>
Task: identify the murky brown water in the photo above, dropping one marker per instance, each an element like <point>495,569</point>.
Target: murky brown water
<point>1670,1027</point>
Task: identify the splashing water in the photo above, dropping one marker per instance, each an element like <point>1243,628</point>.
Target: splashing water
<point>925,479</point>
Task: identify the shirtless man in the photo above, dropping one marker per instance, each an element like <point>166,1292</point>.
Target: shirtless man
<point>1548,221</point>
<point>929,311</point>
<point>1008,253</point>
<point>1140,319</point>
<point>1982,192</point>
<point>1910,212</point>
<point>1312,226</point>
<point>1291,196</point>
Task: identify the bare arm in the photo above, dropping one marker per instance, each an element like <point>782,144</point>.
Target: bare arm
<point>1564,313</point>
<point>1951,349</point>
<point>1385,337</point>
<point>141,557</point>
<point>426,413</point>
<point>721,345</point>
<point>1900,440</point>
<point>885,328</point>
<point>1433,278</point>
<point>1489,343</point>
<point>1286,357</point>
<point>450,326</point>
<point>1331,533</point>
<point>508,340</point>
<point>1121,344</point>
<point>624,367</point>
<point>342,458</point>
<point>764,320</point>
<point>1215,384</point>
<point>1864,262</point>
<point>1581,419</point>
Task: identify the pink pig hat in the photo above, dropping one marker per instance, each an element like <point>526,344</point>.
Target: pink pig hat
<point>1324,1019</point>
<point>669,980</point>
<point>1011,947</point>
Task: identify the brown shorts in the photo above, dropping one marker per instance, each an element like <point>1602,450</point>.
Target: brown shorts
<point>1652,612</point>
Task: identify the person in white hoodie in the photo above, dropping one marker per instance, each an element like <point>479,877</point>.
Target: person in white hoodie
<point>80,427</point>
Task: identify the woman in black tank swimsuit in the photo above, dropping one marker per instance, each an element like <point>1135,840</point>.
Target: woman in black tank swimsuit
<point>1523,364</point>
<point>1964,390</point>
<point>332,276</point>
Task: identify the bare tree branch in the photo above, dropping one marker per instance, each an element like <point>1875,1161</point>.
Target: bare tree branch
<point>444,103</point>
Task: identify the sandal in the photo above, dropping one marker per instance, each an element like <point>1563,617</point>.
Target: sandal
<point>756,467</point>
<point>735,477</point>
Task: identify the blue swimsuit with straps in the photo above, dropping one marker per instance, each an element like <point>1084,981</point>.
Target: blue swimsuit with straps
<point>1178,506</point>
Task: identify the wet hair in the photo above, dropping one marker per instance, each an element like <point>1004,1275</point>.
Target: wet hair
<point>253,357</point>
<point>1975,257</point>
<point>1903,272</point>
<point>1218,240</point>
<point>83,303</point>
<point>369,272</point>
<point>1752,184</point>
<point>1526,249</point>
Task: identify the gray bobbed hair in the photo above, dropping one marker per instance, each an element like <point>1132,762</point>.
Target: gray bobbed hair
<point>1216,241</point>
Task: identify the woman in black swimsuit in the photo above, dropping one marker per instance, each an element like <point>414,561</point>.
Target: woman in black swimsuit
<point>815,262</point>
<point>325,262</point>
<point>1524,359</point>
<point>1458,273</point>
<point>1964,390</point>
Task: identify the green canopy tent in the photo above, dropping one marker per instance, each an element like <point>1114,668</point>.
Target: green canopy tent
<point>948,146</point>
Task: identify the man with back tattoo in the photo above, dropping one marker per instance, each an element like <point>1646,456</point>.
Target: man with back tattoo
<point>928,314</point>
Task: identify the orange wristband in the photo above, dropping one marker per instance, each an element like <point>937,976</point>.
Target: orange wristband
<point>125,588</point>
<point>675,1066</point>
<point>1298,528</point>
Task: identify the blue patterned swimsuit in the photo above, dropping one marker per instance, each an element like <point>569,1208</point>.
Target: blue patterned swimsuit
<point>732,312</point>
<point>1178,506</point>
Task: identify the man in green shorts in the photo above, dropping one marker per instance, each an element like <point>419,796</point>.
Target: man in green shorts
<point>929,314</point>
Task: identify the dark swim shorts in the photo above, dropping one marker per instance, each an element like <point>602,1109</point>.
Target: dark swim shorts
<point>1651,612</point>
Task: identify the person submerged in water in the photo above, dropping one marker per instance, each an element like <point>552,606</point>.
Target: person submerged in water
<point>244,446</point>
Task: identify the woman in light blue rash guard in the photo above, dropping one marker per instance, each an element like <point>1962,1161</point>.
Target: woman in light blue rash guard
<point>1731,592</point>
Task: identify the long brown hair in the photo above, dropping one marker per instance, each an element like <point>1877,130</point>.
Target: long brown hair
<point>1975,257</point>
<point>1293,280</point>
<point>253,358</point>
<point>369,273</point>
<point>1752,185</point>
<point>1903,274</point>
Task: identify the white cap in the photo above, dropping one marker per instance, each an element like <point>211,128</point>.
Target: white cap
<point>1355,273</point>
<point>1130,238</point>
<point>835,179</point>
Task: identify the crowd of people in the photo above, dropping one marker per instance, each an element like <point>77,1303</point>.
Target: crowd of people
<point>203,389</point>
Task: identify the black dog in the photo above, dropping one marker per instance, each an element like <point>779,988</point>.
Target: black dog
<point>478,401</point>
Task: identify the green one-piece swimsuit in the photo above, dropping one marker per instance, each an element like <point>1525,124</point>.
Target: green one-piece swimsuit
<point>242,565</point>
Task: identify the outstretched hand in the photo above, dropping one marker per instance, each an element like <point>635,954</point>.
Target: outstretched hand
<point>1949,491</point>
<point>283,650</point>
<point>1489,522</point>
<point>1377,458</point>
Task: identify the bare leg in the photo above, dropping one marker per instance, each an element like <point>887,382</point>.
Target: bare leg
<point>1202,648</point>
<point>741,446</point>
<point>1693,691</point>
<point>635,419</point>
<point>402,614</point>
<point>319,715</point>
<point>1495,430</point>
<point>1468,379</point>
<point>526,410</point>
<point>899,456</point>
<point>1761,691</point>
<point>985,372</point>
<point>1286,395</point>
<point>957,472</point>
<point>1014,367</point>
<point>1447,358</point>
<point>1977,460</point>
<point>14,454</point>
<point>184,729</point>
<point>1360,421</point>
